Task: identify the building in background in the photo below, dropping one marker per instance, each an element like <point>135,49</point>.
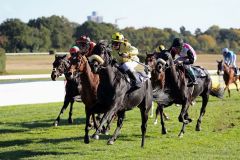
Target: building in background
<point>95,18</point>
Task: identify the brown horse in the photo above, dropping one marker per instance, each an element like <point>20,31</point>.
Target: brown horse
<point>228,75</point>
<point>89,81</point>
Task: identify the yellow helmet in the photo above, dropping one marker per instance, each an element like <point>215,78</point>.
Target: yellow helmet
<point>117,37</point>
<point>160,48</point>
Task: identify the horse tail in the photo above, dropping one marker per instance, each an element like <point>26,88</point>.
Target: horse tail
<point>217,91</point>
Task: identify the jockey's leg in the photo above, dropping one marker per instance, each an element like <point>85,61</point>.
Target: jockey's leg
<point>191,75</point>
<point>128,67</point>
<point>236,71</point>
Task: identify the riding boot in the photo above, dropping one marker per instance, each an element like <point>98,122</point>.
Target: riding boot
<point>236,71</point>
<point>192,77</point>
<point>133,79</point>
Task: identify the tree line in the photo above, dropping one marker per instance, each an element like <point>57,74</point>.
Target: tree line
<point>58,33</point>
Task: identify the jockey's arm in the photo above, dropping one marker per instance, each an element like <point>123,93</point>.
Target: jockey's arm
<point>190,58</point>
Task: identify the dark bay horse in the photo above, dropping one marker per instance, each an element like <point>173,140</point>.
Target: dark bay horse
<point>228,75</point>
<point>175,89</point>
<point>73,86</point>
<point>115,96</point>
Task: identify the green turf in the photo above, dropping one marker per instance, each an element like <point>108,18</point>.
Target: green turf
<point>26,132</point>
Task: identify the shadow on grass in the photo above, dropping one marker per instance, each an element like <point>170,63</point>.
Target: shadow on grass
<point>20,154</point>
<point>37,124</point>
<point>7,131</point>
<point>15,142</point>
<point>76,121</point>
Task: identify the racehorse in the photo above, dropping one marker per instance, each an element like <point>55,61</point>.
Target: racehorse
<point>228,75</point>
<point>175,89</point>
<point>116,96</point>
<point>73,87</point>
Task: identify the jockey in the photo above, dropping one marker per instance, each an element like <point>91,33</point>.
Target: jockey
<point>85,45</point>
<point>230,59</point>
<point>160,48</point>
<point>127,56</point>
<point>74,51</point>
<point>187,56</point>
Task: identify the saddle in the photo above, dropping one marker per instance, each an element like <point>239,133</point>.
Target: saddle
<point>141,77</point>
<point>199,71</point>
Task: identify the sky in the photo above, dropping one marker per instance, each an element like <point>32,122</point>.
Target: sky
<point>161,14</point>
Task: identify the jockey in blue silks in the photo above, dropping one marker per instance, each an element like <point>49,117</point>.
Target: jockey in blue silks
<point>229,58</point>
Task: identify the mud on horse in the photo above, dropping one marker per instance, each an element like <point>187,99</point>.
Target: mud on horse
<point>73,86</point>
<point>228,75</point>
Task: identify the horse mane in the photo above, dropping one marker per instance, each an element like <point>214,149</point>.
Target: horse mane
<point>102,48</point>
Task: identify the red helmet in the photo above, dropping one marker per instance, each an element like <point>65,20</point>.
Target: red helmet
<point>73,49</point>
<point>83,39</point>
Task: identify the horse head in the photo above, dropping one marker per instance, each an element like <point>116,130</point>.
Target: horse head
<point>60,66</point>
<point>103,50</point>
<point>219,66</point>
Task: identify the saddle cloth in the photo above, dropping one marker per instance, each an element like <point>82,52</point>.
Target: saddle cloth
<point>140,77</point>
<point>199,71</point>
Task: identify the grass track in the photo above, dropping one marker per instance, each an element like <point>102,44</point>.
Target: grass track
<point>26,132</point>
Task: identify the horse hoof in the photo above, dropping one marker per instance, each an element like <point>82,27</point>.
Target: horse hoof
<point>86,140</point>
<point>167,118</point>
<point>190,120</point>
<point>95,136</point>
<point>164,131</point>
<point>180,135</point>
<point>55,123</point>
<point>198,128</point>
<point>110,142</point>
<point>70,121</point>
<point>105,133</point>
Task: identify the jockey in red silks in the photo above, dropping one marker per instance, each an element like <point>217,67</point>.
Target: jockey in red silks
<point>85,45</point>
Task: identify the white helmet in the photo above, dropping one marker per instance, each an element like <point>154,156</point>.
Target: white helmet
<point>225,50</point>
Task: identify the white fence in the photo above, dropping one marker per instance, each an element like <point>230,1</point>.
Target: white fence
<point>31,92</point>
<point>39,91</point>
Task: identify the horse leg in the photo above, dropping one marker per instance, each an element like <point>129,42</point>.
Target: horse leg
<point>236,85</point>
<point>70,121</point>
<point>182,119</point>
<point>227,88</point>
<point>202,111</point>
<point>165,116</point>
<point>152,108</point>
<point>164,130</point>
<point>121,116</point>
<point>107,128</point>
<point>65,104</point>
<point>157,112</point>
<point>86,137</point>
<point>106,117</point>
<point>144,107</point>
